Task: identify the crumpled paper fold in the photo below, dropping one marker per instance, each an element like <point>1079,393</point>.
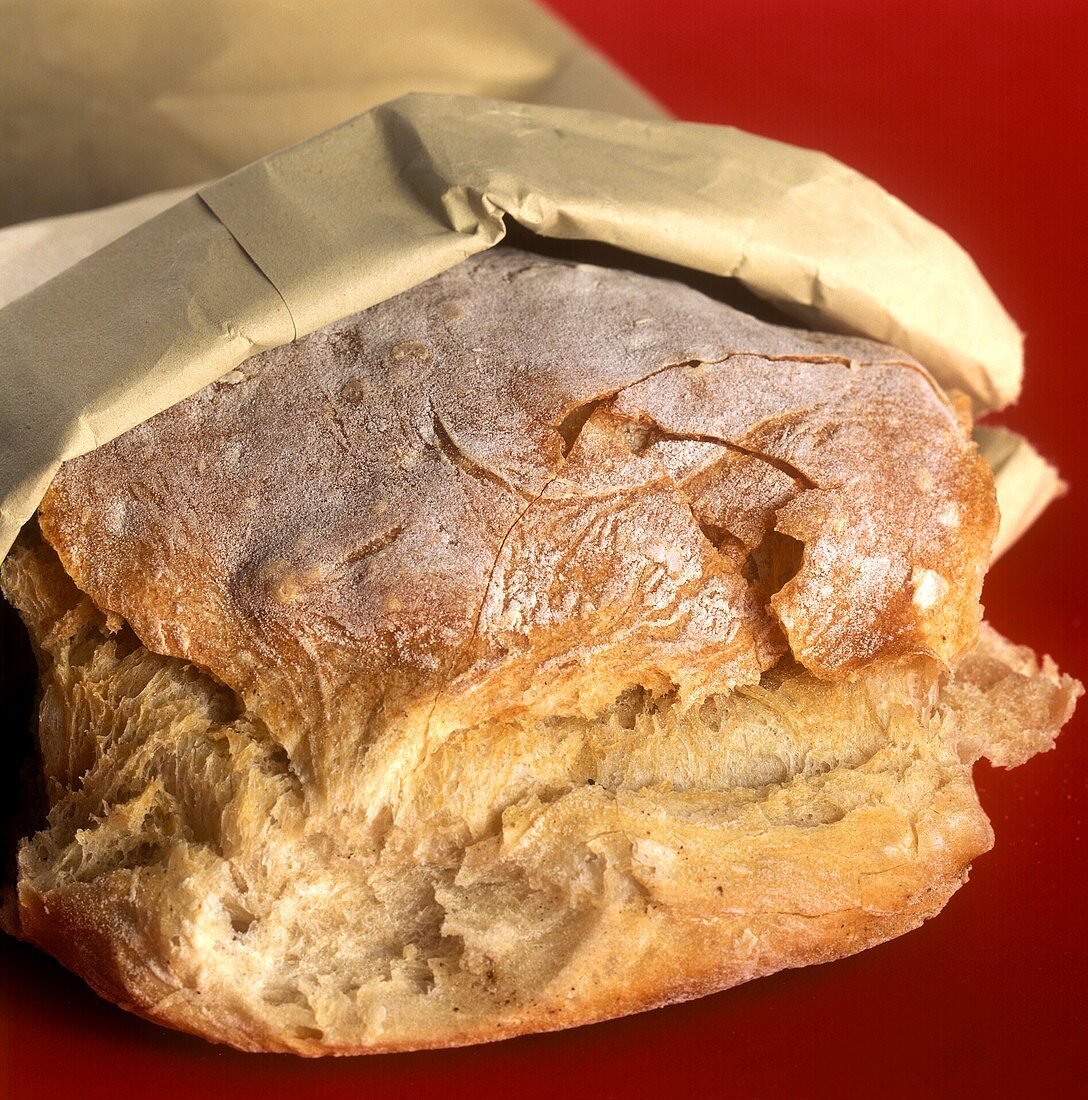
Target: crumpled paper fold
<point>1026,483</point>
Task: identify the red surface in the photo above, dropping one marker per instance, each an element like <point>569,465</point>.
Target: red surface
<point>974,113</point>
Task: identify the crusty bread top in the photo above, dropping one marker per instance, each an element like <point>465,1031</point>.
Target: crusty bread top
<point>524,487</point>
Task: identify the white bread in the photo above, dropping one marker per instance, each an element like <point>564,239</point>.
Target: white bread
<point>544,644</point>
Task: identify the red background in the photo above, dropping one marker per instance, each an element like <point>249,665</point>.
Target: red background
<point>974,113</point>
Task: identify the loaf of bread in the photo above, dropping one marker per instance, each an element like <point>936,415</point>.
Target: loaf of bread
<point>547,643</point>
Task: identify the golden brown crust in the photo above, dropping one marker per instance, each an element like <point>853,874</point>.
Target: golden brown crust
<point>542,645</point>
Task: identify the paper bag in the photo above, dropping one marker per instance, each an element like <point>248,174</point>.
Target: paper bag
<point>105,101</point>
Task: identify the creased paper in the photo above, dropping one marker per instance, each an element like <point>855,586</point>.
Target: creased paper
<point>106,101</point>
<point>34,252</point>
<point>372,207</point>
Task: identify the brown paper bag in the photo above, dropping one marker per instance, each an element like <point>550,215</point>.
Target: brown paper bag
<point>104,102</point>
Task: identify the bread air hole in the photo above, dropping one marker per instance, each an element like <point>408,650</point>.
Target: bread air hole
<point>774,562</point>
<point>241,919</point>
<point>278,996</point>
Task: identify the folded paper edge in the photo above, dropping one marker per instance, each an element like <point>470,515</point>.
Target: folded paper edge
<point>1027,484</point>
